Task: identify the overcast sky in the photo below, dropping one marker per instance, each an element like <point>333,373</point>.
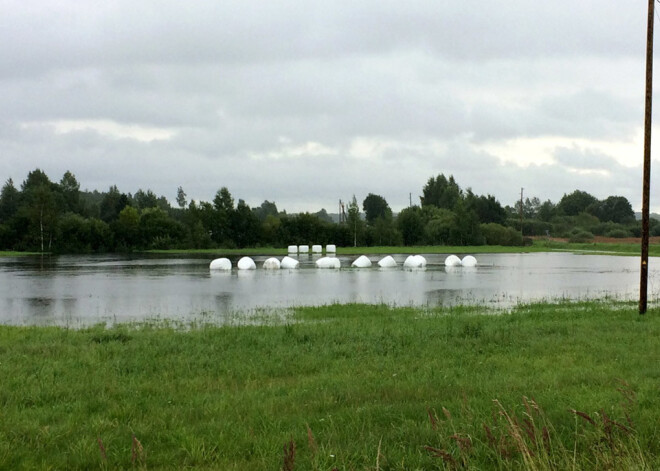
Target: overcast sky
<point>306,103</point>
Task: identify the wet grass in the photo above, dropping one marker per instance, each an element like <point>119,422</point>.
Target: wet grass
<point>539,245</point>
<point>428,249</point>
<point>604,248</point>
<point>347,387</point>
<point>9,253</point>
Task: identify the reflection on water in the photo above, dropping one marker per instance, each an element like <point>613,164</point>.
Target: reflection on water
<point>83,290</point>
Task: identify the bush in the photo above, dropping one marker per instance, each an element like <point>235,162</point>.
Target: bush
<point>496,234</point>
<point>581,236</point>
<point>618,234</point>
<point>604,228</point>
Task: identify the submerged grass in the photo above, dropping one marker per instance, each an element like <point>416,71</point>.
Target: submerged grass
<point>546,386</point>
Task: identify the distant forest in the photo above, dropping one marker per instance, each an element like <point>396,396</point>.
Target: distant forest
<point>48,216</point>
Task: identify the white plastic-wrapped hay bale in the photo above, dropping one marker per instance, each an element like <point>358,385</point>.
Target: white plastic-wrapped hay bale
<point>361,262</point>
<point>452,261</point>
<point>414,261</point>
<point>328,262</point>
<point>220,264</point>
<point>246,263</point>
<point>292,249</point>
<point>469,261</point>
<point>272,264</point>
<point>303,248</point>
<point>331,248</point>
<point>387,262</point>
<point>288,262</point>
<point>317,248</point>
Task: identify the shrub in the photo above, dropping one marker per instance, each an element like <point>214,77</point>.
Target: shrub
<point>618,233</point>
<point>581,236</point>
<point>496,234</point>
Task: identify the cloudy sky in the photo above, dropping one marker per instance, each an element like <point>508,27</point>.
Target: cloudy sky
<point>306,103</point>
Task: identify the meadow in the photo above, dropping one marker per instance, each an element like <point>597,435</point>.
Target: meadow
<point>346,387</point>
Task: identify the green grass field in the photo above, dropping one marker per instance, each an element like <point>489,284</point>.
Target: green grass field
<point>538,246</point>
<point>8,253</point>
<point>350,387</point>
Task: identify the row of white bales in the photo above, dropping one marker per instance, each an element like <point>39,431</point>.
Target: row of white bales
<point>413,261</point>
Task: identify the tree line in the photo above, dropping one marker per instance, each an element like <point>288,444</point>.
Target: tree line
<point>48,216</point>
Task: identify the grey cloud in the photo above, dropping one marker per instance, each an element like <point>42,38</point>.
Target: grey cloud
<point>578,158</point>
<point>99,33</point>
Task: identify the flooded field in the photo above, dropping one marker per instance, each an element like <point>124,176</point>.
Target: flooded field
<point>85,290</point>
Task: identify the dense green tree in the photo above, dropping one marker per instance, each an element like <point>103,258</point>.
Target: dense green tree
<point>354,221</point>
<point>375,207</point>
<point>145,199</point>
<point>40,205</point>
<point>112,204</point>
<point>159,231</point>
<point>441,192</point>
<point>101,238</point>
<point>496,234</point>
<point>438,230</point>
<point>547,210</point>
<point>181,198</point>
<point>127,228</point>
<point>223,201</point>
<point>488,209</point>
<point>35,179</point>
<point>244,226</point>
<point>305,228</point>
<point>266,209</point>
<point>614,208</point>
<point>73,234</point>
<point>323,216</point>
<point>9,201</point>
<point>575,203</point>
<point>70,189</point>
<point>411,225</point>
<point>383,231</point>
<point>467,230</point>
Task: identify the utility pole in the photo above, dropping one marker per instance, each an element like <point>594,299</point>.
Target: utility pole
<point>644,270</point>
<point>521,211</point>
<point>410,198</point>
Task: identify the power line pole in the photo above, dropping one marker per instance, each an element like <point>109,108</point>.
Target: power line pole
<point>521,211</point>
<point>644,270</point>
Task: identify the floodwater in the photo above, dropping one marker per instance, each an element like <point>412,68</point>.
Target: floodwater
<point>78,291</point>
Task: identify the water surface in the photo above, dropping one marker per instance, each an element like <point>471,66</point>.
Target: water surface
<point>85,290</point>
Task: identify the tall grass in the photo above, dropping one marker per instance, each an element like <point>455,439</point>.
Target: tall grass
<point>345,387</point>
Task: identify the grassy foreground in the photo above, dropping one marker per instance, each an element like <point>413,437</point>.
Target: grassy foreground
<point>340,387</point>
<point>539,245</point>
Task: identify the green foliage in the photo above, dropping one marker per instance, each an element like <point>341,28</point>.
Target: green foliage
<point>439,229</point>
<point>576,202</point>
<point>615,209</point>
<point>441,192</point>
<point>496,234</point>
<point>618,233</point>
<point>47,216</point>
<point>376,207</point>
<point>411,225</point>
<point>487,208</point>
<point>9,201</point>
<point>579,235</point>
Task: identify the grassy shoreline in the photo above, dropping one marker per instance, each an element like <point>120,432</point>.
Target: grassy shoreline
<point>342,386</point>
<point>539,245</point>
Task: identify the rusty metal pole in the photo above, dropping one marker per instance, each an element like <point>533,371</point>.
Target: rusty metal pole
<point>646,187</point>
